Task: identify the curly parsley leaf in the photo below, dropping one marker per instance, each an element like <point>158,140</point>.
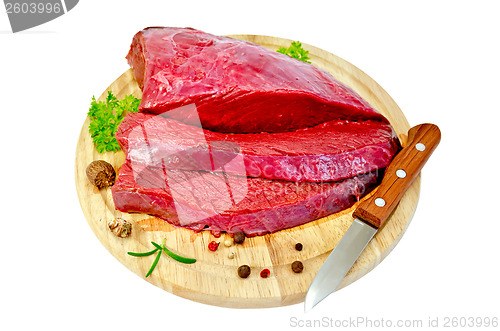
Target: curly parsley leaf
<point>296,51</point>
<point>105,116</point>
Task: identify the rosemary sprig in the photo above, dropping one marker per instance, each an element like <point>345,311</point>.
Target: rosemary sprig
<point>159,249</point>
<point>153,266</point>
<point>143,254</point>
<point>173,255</point>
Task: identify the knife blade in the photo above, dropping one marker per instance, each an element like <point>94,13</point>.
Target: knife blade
<point>372,213</point>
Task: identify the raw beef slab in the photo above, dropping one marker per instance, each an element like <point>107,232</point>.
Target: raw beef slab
<point>235,137</point>
<point>221,202</point>
<point>237,86</point>
<point>330,151</point>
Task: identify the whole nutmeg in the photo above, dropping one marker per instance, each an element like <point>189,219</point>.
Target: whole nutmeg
<point>244,271</point>
<point>239,237</point>
<point>101,174</point>
<point>297,267</point>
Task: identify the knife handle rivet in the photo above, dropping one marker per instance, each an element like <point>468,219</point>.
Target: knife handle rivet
<point>401,173</point>
<point>420,147</point>
<point>380,202</point>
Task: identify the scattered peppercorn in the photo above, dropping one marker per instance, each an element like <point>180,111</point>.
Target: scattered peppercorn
<point>298,246</point>
<point>265,273</point>
<point>297,267</point>
<point>228,243</point>
<point>120,227</point>
<point>239,237</point>
<point>213,245</point>
<point>244,271</point>
<point>230,255</point>
<point>101,174</point>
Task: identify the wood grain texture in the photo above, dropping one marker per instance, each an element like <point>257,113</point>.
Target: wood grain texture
<point>213,278</point>
<point>410,161</point>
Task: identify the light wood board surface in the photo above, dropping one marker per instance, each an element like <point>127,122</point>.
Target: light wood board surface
<point>213,278</point>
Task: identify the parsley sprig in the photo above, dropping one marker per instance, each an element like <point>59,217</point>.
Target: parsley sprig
<point>296,51</point>
<point>105,116</point>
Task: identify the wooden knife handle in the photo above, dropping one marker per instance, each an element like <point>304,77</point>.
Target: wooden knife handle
<point>399,175</point>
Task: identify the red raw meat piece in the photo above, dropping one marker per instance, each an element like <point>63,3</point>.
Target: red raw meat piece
<point>330,151</point>
<point>266,142</point>
<point>221,202</point>
<point>237,86</point>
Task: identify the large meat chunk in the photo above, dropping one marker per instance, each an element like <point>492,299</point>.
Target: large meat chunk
<point>235,137</point>
<point>221,202</point>
<point>330,151</point>
<point>237,86</point>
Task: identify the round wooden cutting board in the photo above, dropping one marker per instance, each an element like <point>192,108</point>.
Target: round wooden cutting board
<point>213,278</point>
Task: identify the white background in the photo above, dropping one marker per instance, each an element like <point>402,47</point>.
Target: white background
<point>438,60</point>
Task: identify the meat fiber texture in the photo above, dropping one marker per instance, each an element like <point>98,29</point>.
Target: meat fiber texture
<point>234,137</point>
<point>330,151</point>
<point>221,202</point>
<point>237,86</point>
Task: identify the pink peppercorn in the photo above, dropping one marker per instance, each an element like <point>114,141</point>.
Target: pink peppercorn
<point>265,273</point>
<point>213,245</point>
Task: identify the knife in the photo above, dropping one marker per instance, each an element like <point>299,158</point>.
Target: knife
<point>372,213</point>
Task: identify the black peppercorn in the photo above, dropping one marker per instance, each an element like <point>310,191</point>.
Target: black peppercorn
<point>298,246</point>
<point>239,237</point>
<point>297,267</point>
<point>244,271</point>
